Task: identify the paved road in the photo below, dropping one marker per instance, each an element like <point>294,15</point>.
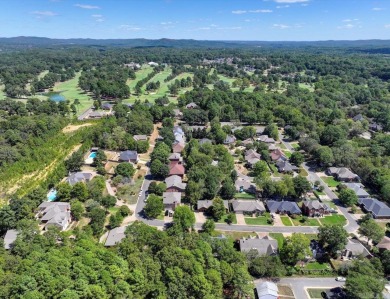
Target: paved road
<point>299,285</point>
<point>265,228</point>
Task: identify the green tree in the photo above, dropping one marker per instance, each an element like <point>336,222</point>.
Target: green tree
<point>77,209</point>
<point>265,266</point>
<point>159,169</point>
<point>64,191</point>
<point>333,237</point>
<point>324,155</point>
<point>260,168</point>
<point>7,219</point>
<point>79,191</point>
<point>297,159</point>
<point>184,217</point>
<point>98,217</point>
<point>371,230</point>
<point>301,185</point>
<point>125,211</point>
<point>218,208</point>
<point>228,189</point>
<point>96,187</point>
<point>154,206</point>
<point>348,197</point>
<point>125,169</point>
<point>209,226</point>
<point>295,248</point>
<point>108,201</point>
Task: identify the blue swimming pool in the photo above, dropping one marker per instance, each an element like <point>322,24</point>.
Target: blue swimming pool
<point>52,195</point>
<point>92,155</point>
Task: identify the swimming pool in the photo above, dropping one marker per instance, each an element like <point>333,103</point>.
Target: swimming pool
<point>92,155</point>
<point>52,195</point>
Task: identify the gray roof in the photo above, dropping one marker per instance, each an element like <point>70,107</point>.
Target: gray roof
<point>267,290</point>
<point>246,185</point>
<point>342,172</point>
<point>177,129</point>
<point>115,236</point>
<point>283,206</point>
<point>79,177</point>
<point>175,156</point>
<point>229,139</point>
<point>140,137</point>
<point>128,155</point>
<point>57,213</point>
<point>285,166</point>
<point>208,203</point>
<point>358,117</point>
<point>358,188</point>
<point>315,204</point>
<point>376,207</point>
<point>355,248</point>
<point>264,246</point>
<point>171,198</point>
<point>191,105</point>
<point>266,139</point>
<point>252,157</point>
<point>10,238</point>
<point>175,181</point>
<point>248,206</point>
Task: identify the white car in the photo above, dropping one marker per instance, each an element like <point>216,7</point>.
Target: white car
<point>340,278</point>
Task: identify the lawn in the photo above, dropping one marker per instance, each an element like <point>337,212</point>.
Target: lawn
<point>2,94</point>
<point>333,219</point>
<point>316,293</point>
<point>139,75</point>
<point>161,216</point>
<point>274,169</point>
<point>232,234</point>
<point>278,237</point>
<point>113,210</point>
<point>317,266</point>
<point>303,172</point>
<point>330,181</point>
<point>244,195</point>
<point>224,219</point>
<point>309,222</point>
<point>287,154</point>
<point>306,86</point>
<point>261,220</point>
<point>316,192</point>
<point>286,220</point>
<point>130,193</point>
<point>295,146</point>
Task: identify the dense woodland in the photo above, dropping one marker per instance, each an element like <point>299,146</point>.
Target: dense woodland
<point>312,93</point>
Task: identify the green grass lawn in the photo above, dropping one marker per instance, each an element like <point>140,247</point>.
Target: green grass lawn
<point>295,146</point>
<point>274,169</point>
<point>316,293</point>
<point>244,195</point>
<point>224,219</point>
<point>309,222</point>
<point>113,210</point>
<point>232,234</point>
<point>316,192</point>
<point>161,216</point>
<point>286,220</point>
<point>330,181</point>
<point>261,220</point>
<point>317,266</point>
<point>303,172</point>
<point>311,236</point>
<point>139,75</point>
<point>334,219</point>
<point>287,153</point>
<point>2,94</point>
<point>278,237</point>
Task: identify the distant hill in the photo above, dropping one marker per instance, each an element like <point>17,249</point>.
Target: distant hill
<point>31,41</point>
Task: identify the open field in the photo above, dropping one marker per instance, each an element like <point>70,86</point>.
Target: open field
<point>231,80</point>
<point>139,75</point>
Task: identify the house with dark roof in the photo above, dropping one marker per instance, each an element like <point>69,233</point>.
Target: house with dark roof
<point>248,207</point>
<point>243,185</point>
<point>10,238</point>
<point>283,207</point>
<point>358,188</point>
<point>107,106</point>
<point>375,127</point>
<point>54,214</point>
<point>313,208</point>
<point>140,138</point>
<point>252,157</point>
<point>285,167</point>
<point>96,115</point>
<point>378,209</point>
<point>79,177</point>
<point>267,290</point>
<point>191,105</point>
<point>115,236</point>
<point>354,249</point>
<point>205,205</point>
<point>176,168</point>
<point>343,174</point>
<point>171,200</point>
<point>358,117</point>
<point>277,155</point>
<point>230,139</point>
<point>175,184</point>
<point>264,246</point>
<point>129,156</point>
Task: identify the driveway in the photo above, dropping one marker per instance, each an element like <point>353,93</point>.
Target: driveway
<point>240,219</point>
<point>200,217</point>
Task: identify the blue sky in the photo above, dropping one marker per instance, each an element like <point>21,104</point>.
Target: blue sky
<point>270,20</point>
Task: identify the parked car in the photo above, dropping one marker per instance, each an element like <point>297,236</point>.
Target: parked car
<point>340,278</point>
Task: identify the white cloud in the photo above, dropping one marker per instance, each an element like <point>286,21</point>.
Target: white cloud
<point>291,1</point>
<point>378,8</point>
<point>97,16</point>
<point>230,28</point>
<point>347,26</point>
<point>45,13</point>
<point>387,26</point>
<point>129,28</point>
<point>282,6</point>
<point>166,23</point>
<point>86,6</point>
<point>350,20</point>
<point>239,12</point>
<point>280,26</point>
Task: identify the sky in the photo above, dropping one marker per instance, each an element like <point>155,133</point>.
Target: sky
<point>261,20</point>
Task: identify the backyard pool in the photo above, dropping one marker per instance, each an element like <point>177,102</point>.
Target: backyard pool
<point>52,195</point>
<point>90,158</point>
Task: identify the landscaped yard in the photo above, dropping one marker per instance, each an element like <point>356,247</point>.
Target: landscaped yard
<point>224,219</point>
<point>309,222</point>
<point>286,220</point>
<point>232,234</point>
<point>261,220</point>
<point>316,293</point>
<point>287,153</point>
<point>303,172</point>
<point>334,219</point>
<point>316,192</point>
<point>244,195</point>
<point>317,266</point>
<point>278,237</point>
<point>285,291</point>
<point>295,146</point>
<point>274,169</point>
<point>330,181</point>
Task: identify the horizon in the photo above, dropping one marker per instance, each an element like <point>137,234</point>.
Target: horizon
<point>218,20</point>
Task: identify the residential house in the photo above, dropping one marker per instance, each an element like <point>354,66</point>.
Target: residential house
<point>249,207</point>
<point>95,115</point>
<point>115,236</point>
<point>129,156</point>
<point>171,200</point>
<point>354,249</point>
<point>10,238</point>
<point>78,177</point>
<point>204,141</point>
<point>133,65</point>
<point>343,174</point>
<point>266,139</point>
<point>247,142</point>
<point>176,168</point>
<point>358,189</point>
<point>205,205</point>
<point>283,207</point>
<point>384,244</point>
<point>259,131</point>
<point>313,208</point>
<point>267,290</point>
<point>243,185</point>
<point>175,184</point>
<point>230,139</point>
<point>178,114</point>
<point>375,127</point>
<point>264,246</point>
<point>252,157</point>
<point>272,147</point>
<point>140,138</point>
<point>54,214</point>
<point>178,147</point>
<point>107,106</point>
<point>175,157</point>
<point>178,130</point>
<point>285,167</point>
<point>191,105</point>
<point>358,117</point>
<point>277,155</point>
<point>378,209</point>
